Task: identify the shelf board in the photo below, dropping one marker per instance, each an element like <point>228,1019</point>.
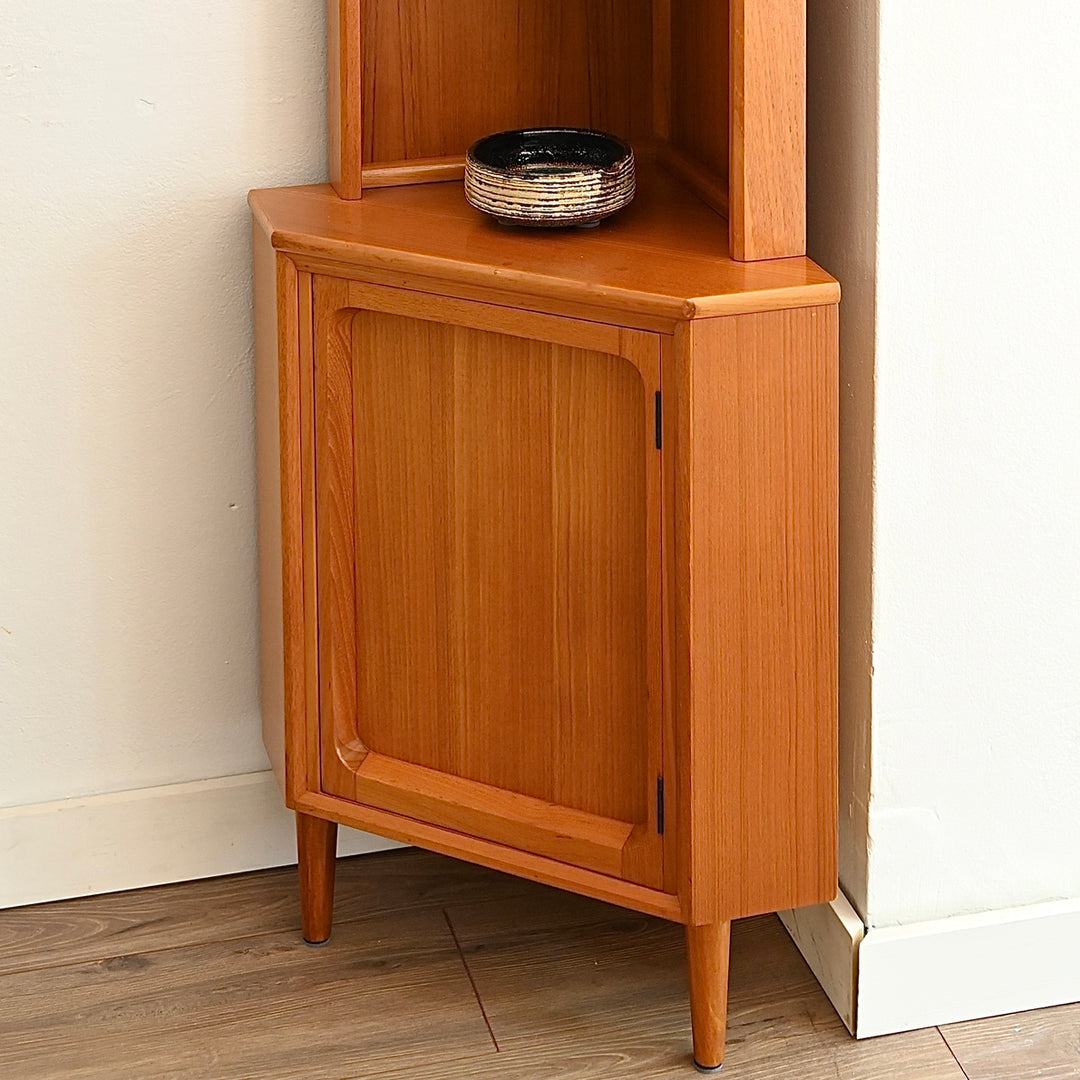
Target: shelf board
<point>663,259</point>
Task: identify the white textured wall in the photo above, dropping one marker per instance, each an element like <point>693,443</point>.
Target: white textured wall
<point>129,136</point>
<point>976,692</point>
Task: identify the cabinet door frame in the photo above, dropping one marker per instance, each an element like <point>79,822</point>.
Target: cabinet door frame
<point>625,850</point>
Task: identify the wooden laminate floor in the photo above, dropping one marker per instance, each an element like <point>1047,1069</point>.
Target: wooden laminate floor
<point>436,970</point>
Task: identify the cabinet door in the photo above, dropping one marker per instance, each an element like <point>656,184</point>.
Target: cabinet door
<point>488,529</point>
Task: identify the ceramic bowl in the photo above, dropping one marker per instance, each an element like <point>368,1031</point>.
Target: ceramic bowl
<point>549,176</point>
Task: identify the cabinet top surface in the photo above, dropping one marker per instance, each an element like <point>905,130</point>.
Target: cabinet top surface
<point>665,256</point>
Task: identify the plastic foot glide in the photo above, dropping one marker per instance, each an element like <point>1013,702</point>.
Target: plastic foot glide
<point>711,1069</point>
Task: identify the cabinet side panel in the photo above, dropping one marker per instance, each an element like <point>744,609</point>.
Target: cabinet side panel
<point>759,475</point>
<point>768,129</point>
<point>268,488</point>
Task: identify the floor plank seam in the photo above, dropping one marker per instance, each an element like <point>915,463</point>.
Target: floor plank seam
<point>959,1063</point>
<point>472,981</point>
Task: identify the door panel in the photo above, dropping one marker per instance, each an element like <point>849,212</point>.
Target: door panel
<point>488,540</point>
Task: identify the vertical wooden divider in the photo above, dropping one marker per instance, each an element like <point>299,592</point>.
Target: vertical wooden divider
<point>767,172</point>
<point>344,95</point>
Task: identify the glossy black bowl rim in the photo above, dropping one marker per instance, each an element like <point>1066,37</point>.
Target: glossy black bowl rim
<point>625,151</point>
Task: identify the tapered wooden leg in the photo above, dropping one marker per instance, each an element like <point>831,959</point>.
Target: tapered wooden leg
<point>707,959</point>
<point>316,850</point>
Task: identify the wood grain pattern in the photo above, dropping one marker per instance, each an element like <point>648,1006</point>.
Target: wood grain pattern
<point>578,990</point>
<point>316,851</point>
<point>573,333</point>
<point>707,950</point>
<point>707,186</point>
<point>404,619</point>
<point>756,633</point>
<point>665,256</point>
<point>676,791</point>
<point>767,176</point>
<point>418,171</point>
<point>701,83</point>
<point>95,928</point>
<point>269,491</point>
<point>661,70</point>
<point>457,673</point>
<point>420,80</point>
<point>483,601</point>
<point>283,653</point>
<point>1042,1043</point>
<point>392,990</point>
<point>343,99</point>
<point>536,868</point>
<point>500,815</point>
<point>302,730</point>
<point>438,74</point>
<point>548,966</point>
<point>572,988</point>
<point>329,471</point>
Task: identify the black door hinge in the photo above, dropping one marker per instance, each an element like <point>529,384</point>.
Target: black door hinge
<point>660,805</point>
<point>658,419</point>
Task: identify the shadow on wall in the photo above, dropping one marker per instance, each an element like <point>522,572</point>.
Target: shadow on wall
<point>842,138</point>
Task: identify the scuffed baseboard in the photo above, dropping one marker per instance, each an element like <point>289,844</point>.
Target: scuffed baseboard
<point>150,836</point>
<point>883,980</point>
<point>828,936</point>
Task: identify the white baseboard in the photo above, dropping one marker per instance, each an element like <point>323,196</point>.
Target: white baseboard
<point>150,836</point>
<point>828,936</point>
<point>898,978</point>
<point>968,966</point>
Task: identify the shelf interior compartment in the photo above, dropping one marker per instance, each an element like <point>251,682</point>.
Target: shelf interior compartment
<point>415,82</point>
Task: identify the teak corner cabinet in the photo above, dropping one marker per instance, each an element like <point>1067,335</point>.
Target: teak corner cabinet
<point>548,517</point>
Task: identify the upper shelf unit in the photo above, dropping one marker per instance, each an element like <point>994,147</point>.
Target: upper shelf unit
<point>714,89</point>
